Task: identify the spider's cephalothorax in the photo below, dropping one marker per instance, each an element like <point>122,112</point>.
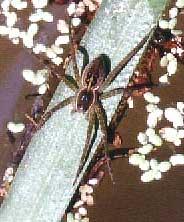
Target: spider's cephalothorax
<point>167,42</point>
<point>85,99</point>
<point>92,78</point>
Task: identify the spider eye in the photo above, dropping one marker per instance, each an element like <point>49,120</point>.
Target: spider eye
<point>84,100</point>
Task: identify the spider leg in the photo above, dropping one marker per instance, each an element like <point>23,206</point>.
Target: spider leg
<point>123,63</point>
<point>128,89</point>
<point>112,92</point>
<point>85,57</point>
<point>48,114</point>
<point>29,96</point>
<point>73,55</point>
<point>68,80</point>
<point>103,124</point>
<point>113,154</point>
<point>92,119</point>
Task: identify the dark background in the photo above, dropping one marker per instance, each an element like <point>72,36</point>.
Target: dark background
<point>129,200</point>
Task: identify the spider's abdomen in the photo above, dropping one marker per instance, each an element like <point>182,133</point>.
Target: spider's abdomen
<point>95,73</point>
<point>85,99</point>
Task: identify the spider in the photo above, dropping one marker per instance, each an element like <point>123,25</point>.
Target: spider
<point>89,91</point>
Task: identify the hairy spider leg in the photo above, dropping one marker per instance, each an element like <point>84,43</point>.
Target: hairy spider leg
<point>83,50</point>
<point>103,124</point>
<point>113,154</point>
<point>73,54</point>
<point>122,63</point>
<point>128,89</point>
<point>60,105</point>
<point>67,79</point>
<point>92,120</point>
<point>99,113</point>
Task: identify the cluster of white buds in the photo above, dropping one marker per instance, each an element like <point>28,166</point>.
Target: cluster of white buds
<point>92,6</point>
<point>40,3</point>
<point>62,26</point>
<point>7,180</point>
<point>86,199</point>
<point>169,60</point>
<point>15,127</point>
<point>38,79</point>
<point>75,18</point>
<point>8,176</point>
<point>77,10</point>
<point>27,37</point>
<point>154,137</point>
<point>172,21</point>
<point>19,4</point>
<point>15,34</point>
<point>40,15</point>
<point>180,3</point>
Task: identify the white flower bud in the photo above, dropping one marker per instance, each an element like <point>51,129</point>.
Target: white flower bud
<point>164,61</point>
<point>15,127</point>
<point>164,78</point>
<point>32,29</point>
<point>163,24</point>
<point>39,3</point>
<point>57,61</point>
<point>62,26</point>
<point>142,138</point>
<point>164,166</point>
<point>173,115</point>
<point>76,22</point>
<point>42,89</point>
<point>136,159</point>
<point>82,211</point>
<point>62,40</point>
<point>155,140</point>
<point>71,8</point>
<point>180,3</point>
<point>172,67</point>
<point>147,176</point>
<point>172,23</point>
<point>28,75</point>
<point>173,12</point>
<point>177,159</point>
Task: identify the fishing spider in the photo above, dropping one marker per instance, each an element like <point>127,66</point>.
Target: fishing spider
<point>89,91</point>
